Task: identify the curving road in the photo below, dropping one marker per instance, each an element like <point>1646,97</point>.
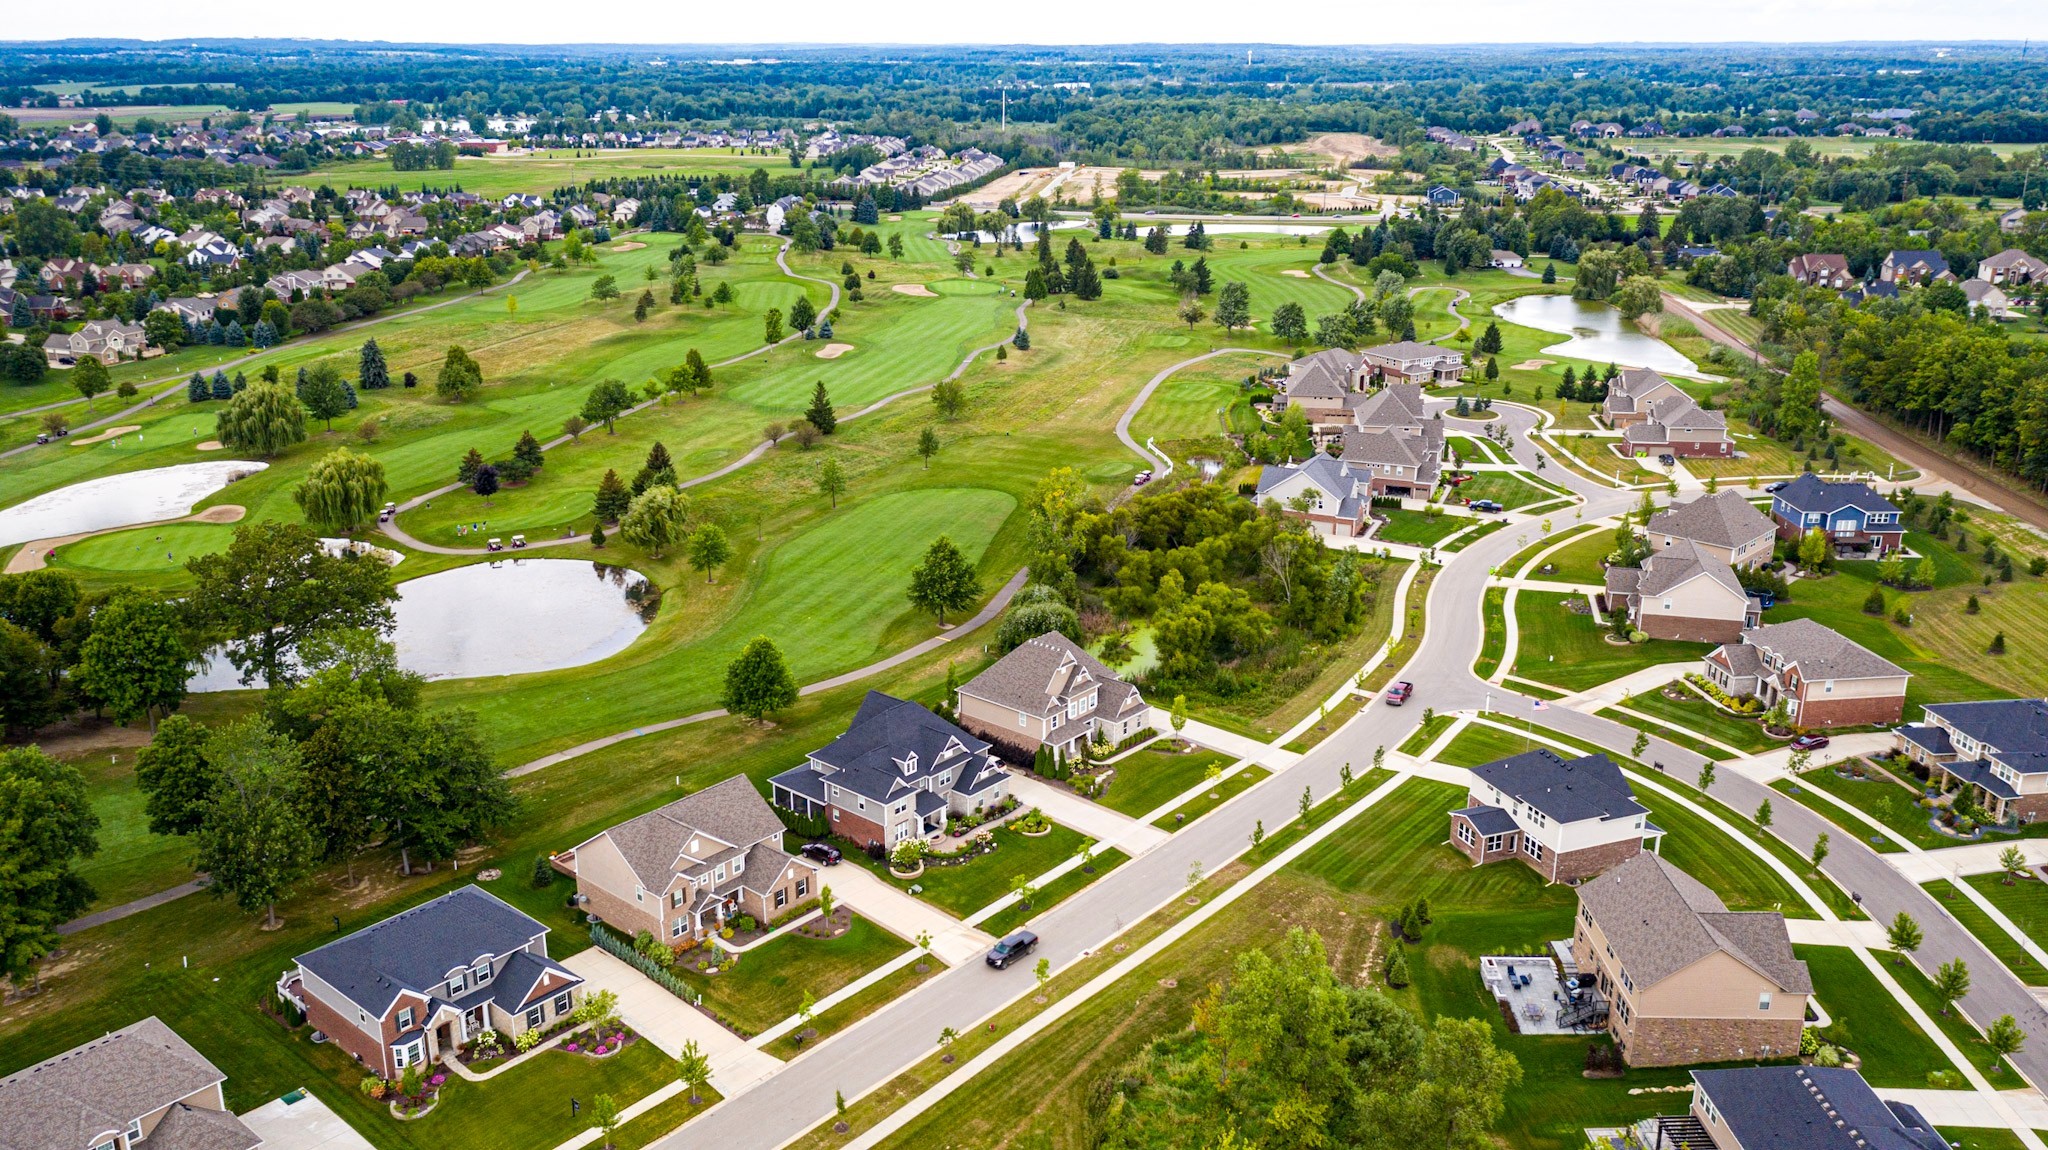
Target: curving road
<point>1123,423</point>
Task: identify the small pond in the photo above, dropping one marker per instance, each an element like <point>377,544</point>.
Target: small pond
<point>1597,331</point>
<point>119,500</point>
<point>509,617</point>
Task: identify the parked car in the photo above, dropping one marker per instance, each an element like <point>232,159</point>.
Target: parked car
<point>824,853</point>
<point>1141,479</point>
<point>1774,488</point>
<point>1488,506</point>
<point>1011,947</point>
<point>1765,600</point>
<point>1668,459</point>
<point>1398,693</point>
<point>1809,742</point>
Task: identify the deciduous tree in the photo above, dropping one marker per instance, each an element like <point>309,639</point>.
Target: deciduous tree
<point>136,661</point>
<point>758,684</point>
<point>460,378</point>
<point>656,519</point>
<point>273,588</point>
<point>263,419</point>
<point>343,492</point>
<point>944,580</point>
<point>46,825</point>
<point>253,837</point>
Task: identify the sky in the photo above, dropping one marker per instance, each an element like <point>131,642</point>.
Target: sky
<point>1048,21</point>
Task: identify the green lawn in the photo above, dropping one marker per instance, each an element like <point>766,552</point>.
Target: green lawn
<point>2002,945</point>
<point>1149,777</point>
<point>1868,1020</point>
<point>1419,527</point>
<point>770,981</point>
<point>1426,734</point>
<point>1508,488</point>
<point>1492,616</point>
<point>1677,738</point>
<point>131,862</point>
<point>1882,799</point>
<point>2025,903</point>
<point>1570,650</point>
<point>1477,745</point>
<point>1055,892</point>
<point>1695,714</point>
<point>1212,798</point>
<point>962,890</point>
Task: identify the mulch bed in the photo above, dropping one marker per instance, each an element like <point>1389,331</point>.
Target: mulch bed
<point>830,926</point>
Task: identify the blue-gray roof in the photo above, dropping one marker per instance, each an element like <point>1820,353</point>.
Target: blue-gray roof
<point>886,730</point>
<point>1568,791</point>
<point>2011,726</point>
<point>415,949</point>
<point>1788,1108</point>
<point>1809,493</point>
<point>1978,771</point>
<point>1487,820</point>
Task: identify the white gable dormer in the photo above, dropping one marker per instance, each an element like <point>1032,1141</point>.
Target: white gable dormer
<point>908,763</point>
<point>953,747</point>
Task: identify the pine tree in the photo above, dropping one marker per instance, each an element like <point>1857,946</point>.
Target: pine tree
<point>371,369</point>
<point>473,462</point>
<point>612,498</point>
<point>820,411</point>
<point>196,390</point>
<point>1022,340</point>
<point>528,451</point>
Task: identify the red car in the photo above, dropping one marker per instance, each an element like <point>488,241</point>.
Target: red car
<point>1809,742</point>
<point>1398,693</point>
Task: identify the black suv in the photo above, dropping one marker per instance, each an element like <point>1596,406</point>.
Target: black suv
<point>1012,947</point>
<point>821,852</point>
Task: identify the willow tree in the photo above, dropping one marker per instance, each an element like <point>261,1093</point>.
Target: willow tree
<point>342,492</point>
<point>656,519</point>
<point>264,418</point>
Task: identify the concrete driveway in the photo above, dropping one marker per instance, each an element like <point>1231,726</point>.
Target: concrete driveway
<point>905,916</point>
<point>306,1124</point>
<point>1105,826</point>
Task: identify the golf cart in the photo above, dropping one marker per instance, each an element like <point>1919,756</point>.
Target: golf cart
<point>495,545</point>
<point>518,541</point>
<point>386,515</point>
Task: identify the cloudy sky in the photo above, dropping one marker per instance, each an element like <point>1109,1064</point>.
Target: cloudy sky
<point>1047,21</point>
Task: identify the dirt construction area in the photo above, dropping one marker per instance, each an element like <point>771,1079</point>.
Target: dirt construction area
<point>1078,184</point>
<point>1341,147</point>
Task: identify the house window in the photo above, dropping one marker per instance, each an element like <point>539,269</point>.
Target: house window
<point>535,1016</point>
<point>1465,832</point>
<point>781,898</point>
<point>405,1055</point>
<point>1533,848</point>
<point>675,898</point>
<point>1020,718</point>
<point>562,1003</point>
<point>736,864</point>
<point>803,887</point>
<point>456,985</point>
<point>405,1019</point>
<point>1495,842</point>
<point>483,973</point>
<point>675,929</point>
<point>134,1131</point>
<point>719,874</point>
<point>1763,1000</point>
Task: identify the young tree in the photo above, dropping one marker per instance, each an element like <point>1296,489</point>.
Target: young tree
<point>771,325</point>
<point>944,580</point>
<point>693,1070</point>
<point>801,314</point>
<point>758,684</point>
<point>263,419</point>
<point>927,446</point>
<point>485,483</point>
<point>1813,550</point>
<point>1951,982</point>
<point>949,396</point>
<point>832,482</point>
<point>46,825</point>
<point>253,838</point>
<point>460,378</point>
<point>136,660</point>
<point>1706,779</point>
<point>604,1110</point>
<point>1903,935</point>
<point>2013,862</point>
<point>342,492</point>
<point>656,519</point>
<point>371,372</point>
<point>274,588</point>
<point>820,411</point>
<point>1820,849</point>
<point>1191,311</point>
<point>608,399</point>
<point>91,379</point>
<point>2004,1037</point>
<point>708,550</point>
<point>612,500</point>
<point>1763,813</point>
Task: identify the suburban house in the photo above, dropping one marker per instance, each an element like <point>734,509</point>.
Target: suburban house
<point>1724,525</point>
<point>419,984</point>
<point>1631,393</point>
<point>1995,750</point>
<point>2012,266</point>
<point>1821,269</point>
<point>1849,513</point>
<point>1682,592</point>
<point>106,340</point>
<point>1440,196</point>
<point>1685,979</point>
<point>1674,425</point>
<point>1400,465</point>
<point>1397,407</point>
<point>682,870</point>
<point>1412,362</point>
<point>894,775</point>
<point>2013,220</point>
<point>1786,1107</point>
<point>1824,679</point>
<point>1988,298</point>
<point>1566,819</point>
<point>1505,259</point>
<point>1914,267</point>
<point>1337,495</point>
<point>1049,692</point>
<point>1321,384</point>
<point>141,1084</point>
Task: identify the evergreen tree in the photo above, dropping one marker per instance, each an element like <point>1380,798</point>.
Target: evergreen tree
<point>612,498</point>
<point>820,411</point>
<point>370,367</point>
<point>528,451</point>
<point>1022,340</point>
<point>222,389</point>
<point>465,471</point>
<point>196,390</point>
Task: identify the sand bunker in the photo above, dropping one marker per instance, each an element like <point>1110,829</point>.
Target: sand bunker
<point>628,246</point>
<point>1297,273</point>
<point>895,219</point>
<point>109,433</point>
<point>1533,364</point>
<point>209,445</point>
<point>834,350</point>
<point>225,513</point>
<point>914,289</point>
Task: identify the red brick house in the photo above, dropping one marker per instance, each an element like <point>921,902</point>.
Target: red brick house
<point>1566,820</point>
<point>1824,679</point>
<point>1821,269</point>
<point>895,775</point>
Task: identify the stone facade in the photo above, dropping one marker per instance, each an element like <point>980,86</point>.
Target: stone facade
<point>1685,1041</point>
<point>1579,865</point>
<point>1689,629</point>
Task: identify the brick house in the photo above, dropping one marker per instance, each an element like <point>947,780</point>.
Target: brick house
<point>2011,267</point>
<point>1821,269</point>
<point>419,984</point>
<point>682,870</point>
<point>1320,385</point>
<point>1630,394</point>
<point>139,1085</point>
<point>1412,362</point>
<point>1337,491</point>
<point>1824,679</point>
<point>1398,407</point>
<point>1566,820</point>
<point>1724,525</point>
<point>1778,1107</point>
<point>895,774</point>
<point>1049,692</point>
<point>1995,751</point>
<point>1675,425</point>
<point>1682,592</point>
<point>2015,219</point>
<point>106,340</point>
<point>1687,980</point>
<point>1914,267</point>
<point>1853,516</point>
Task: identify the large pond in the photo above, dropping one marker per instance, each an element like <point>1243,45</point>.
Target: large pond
<point>509,617</point>
<point>119,500</point>
<point>1598,332</point>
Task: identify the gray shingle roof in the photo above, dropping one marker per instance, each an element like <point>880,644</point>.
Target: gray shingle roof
<point>1488,820</point>
<point>1820,652</point>
<point>1787,1108</point>
<point>1042,674</point>
<point>1660,920</point>
<point>1625,389</point>
<point>870,758</point>
<point>731,813</point>
<point>101,1086</point>
<point>1395,405</point>
<point>1811,493</point>
<point>1723,519</point>
<point>415,949</point>
<point>1566,791</point>
<point>1680,564</point>
<point>201,1128</point>
<point>1392,449</point>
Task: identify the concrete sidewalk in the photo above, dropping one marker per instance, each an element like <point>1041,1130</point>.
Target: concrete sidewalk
<point>649,1008</point>
<point>1973,1108</point>
<point>1105,826</point>
<point>1230,743</point>
<point>903,915</point>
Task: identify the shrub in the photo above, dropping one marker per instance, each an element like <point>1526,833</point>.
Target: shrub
<point>543,872</point>
<point>527,1040</point>
<point>373,1087</point>
<point>745,923</point>
<point>1827,1055</point>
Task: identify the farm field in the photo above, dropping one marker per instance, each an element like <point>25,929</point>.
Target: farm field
<point>543,171</point>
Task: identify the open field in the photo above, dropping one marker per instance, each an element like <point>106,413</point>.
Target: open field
<point>543,171</point>
<point>1571,650</point>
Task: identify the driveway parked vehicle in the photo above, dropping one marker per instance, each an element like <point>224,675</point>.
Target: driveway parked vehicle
<point>1774,488</point>
<point>1486,506</point>
<point>1809,742</point>
<point>821,852</point>
<point>1011,947</point>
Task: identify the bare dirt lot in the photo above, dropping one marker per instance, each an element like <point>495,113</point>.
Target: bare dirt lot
<point>1341,147</point>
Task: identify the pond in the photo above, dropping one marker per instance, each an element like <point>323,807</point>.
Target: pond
<point>119,500</point>
<point>508,617</point>
<point>1598,333</point>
